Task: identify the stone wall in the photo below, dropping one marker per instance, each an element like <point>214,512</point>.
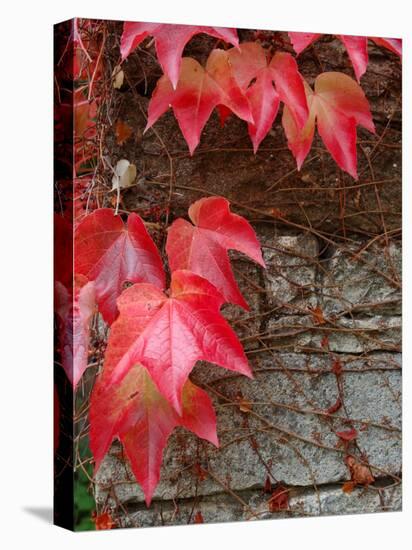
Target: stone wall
<point>323,333</point>
<point>277,426</point>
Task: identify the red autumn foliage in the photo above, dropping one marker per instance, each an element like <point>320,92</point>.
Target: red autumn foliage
<point>202,247</point>
<point>111,254</point>
<point>348,435</point>
<point>196,95</point>
<point>74,308</point>
<point>244,80</point>
<point>174,332</point>
<point>135,412</point>
<point>198,518</point>
<point>123,132</point>
<point>170,41</point>
<point>279,500</point>
<point>360,473</point>
<point>337,105</point>
<point>156,338</point>
<point>103,521</point>
<point>356,46</point>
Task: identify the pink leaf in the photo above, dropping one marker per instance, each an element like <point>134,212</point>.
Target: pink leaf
<point>170,42</point>
<point>348,435</point>
<point>276,81</point>
<point>202,247</point>
<point>170,334</point>
<point>301,40</point>
<point>392,44</point>
<point>338,105</point>
<point>111,254</point>
<point>135,412</point>
<point>74,315</point>
<point>357,48</point>
<point>194,99</point>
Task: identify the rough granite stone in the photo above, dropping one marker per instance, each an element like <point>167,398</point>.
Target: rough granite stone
<point>278,423</point>
<point>358,278</point>
<point>272,435</point>
<point>291,271</point>
<point>329,500</point>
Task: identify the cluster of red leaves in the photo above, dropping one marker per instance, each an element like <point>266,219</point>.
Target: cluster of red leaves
<point>156,336</point>
<point>244,80</point>
<point>356,46</point>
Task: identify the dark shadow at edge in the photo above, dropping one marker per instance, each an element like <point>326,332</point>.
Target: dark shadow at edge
<point>42,512</point>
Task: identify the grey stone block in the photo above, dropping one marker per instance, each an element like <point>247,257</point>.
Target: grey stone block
<point>358,279</point>
<point>254,505</point>
<point>285,432</point>
<point>278,423</point>
<point>291,271</point>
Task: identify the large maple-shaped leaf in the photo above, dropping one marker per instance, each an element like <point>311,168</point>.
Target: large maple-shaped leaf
<point>111,254</point>
<point>75,309</point>
<point>135,412</point>
<point>170,41</point>
<point>265,84</point>
<point>337,105</point>
<point>356,46</point>
<point>171,333</point>
<point>202,247</point>
<point>195,97</point>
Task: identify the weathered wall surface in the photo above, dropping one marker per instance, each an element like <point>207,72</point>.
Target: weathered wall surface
<point>324,326</point>
<point>277,425</point>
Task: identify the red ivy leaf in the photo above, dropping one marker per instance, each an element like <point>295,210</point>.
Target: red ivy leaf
<point>392,44</point>
<point>123,132</point>
<point>84,113</point>
<point>111,254</point>
<point>317,315</point>
<point>301,40</point>
<point>170,42</point>
<point>168,335</point>
<point>103,521</point>
<point>202,247</point>
<point>279,500</point>
<point>74,315</point>
<point>198,518</point>
<point>338,105</point>
<point>356,46</point>
<point>325,342</point>
<point>195,97</point>
<point>360,473</point>
<point>348,435</point>
<point>274,81</point>
<point>348,487</point>
<point>135,412</point>
<point>267,488</point>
